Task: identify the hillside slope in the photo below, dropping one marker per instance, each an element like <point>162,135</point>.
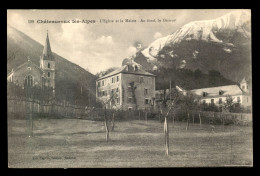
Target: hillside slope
<point>69,76</point>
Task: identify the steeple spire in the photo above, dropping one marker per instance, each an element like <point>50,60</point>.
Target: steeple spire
<point>47,54</point>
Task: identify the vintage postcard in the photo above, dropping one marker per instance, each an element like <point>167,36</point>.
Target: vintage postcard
<point>129,88</point>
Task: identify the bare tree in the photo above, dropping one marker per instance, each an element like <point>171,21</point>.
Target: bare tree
<point>168,107</point>
<point>188,104</point>
<point>109,102</point>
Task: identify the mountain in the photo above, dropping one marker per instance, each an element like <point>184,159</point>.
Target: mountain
<point>222,44</point>
<point>71,79</point>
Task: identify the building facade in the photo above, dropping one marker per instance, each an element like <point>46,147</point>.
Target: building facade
<point>217,95</point>
<point>29,74</point>
<point>129,86</point>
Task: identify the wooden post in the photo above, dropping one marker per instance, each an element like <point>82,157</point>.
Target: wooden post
<point>106,127</point>
<point>31,116</point>
<point>166,136</point>
<point>173,121</point>
<point>200,119</point>
<point>193,119</point>
<point>188,123</point>
<point>223,122</point>
<point>113,122</point>
<point>139,115</point>
<point>146,116</point>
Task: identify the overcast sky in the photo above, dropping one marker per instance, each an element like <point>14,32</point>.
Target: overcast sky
<point>99,46</point>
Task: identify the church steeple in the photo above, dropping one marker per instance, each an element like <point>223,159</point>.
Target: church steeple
<point>47,54</point>
<point>47,64</point>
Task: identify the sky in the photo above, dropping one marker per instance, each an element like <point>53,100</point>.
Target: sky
<point>99,46</point>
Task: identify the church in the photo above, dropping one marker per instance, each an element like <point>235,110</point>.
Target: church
<point>32,75</point>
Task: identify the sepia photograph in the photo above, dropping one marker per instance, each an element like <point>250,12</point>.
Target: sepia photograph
<point>139,88</point>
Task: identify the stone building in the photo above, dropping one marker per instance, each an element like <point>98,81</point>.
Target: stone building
<point>29,74</point>
<point>130,86</point>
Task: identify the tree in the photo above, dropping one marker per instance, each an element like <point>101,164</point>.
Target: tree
<point>109,103</point>
<point>168,106</point>
<point>133,88</point>
<point>228,103</point>
<point>188,104</point>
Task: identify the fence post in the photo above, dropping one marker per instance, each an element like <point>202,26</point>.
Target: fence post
<point>188,122</point>
<point>166,136</point>
<point>223,121</point>
<point>200,119</point>
<point>146,116</point>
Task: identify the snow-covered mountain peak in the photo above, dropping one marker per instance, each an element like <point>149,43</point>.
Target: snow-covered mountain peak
<point>201,30</point>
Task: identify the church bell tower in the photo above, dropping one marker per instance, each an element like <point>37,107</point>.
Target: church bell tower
<point>47,64</point>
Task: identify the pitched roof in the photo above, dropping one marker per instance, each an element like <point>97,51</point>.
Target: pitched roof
<point>214,91</point>
<point>123,69</point>
<point>47,54</point>
<point>28,63</point>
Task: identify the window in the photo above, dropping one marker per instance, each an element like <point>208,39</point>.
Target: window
<point>49,74</point>
<point>117,90</point>
<point>204,101</point>
<point>146,91</point>
<point>220,101</point>
<point>243,87</point>
<point>117,100</point>
<point>103,93</point>
<point>212,101</point>
<point>117,78</point>
<point>141,79</point>
<point>129,100</point>
<point>129,89</point>
<point>112,91</point>
<point>28,81</point>
<point>220,92</point>
<point>102,83</point>
<point>113,79</point>
<point>204,94</point>
<point>149,80</point>
<point>146,101</point>
<point>238,99</point>
<point>49,65</point>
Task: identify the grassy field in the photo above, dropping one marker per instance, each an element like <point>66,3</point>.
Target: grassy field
<point>77,143</point>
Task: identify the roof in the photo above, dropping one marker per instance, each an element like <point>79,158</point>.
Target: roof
<point>47,54</point>
<point>29,62</point>
<point>214,91</point>
<point>123,69</point>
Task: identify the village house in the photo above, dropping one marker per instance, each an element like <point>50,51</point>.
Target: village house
<point>29,74</point>
<point>217,95</point>
<point>130,86</point>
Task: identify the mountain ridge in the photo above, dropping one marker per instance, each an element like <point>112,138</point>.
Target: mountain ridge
<point>196,43</point>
